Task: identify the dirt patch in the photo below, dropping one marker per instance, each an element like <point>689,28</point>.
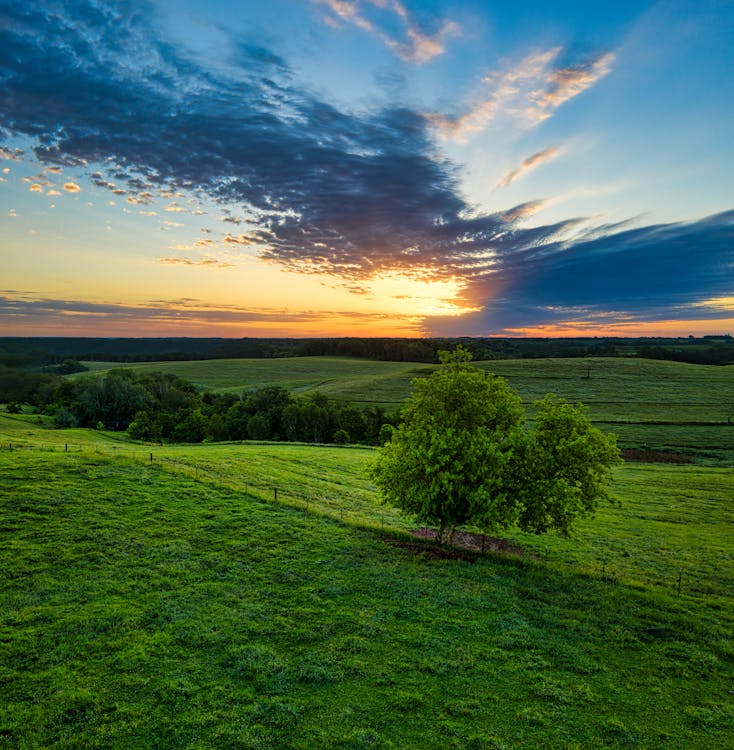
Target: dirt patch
<point>434,552</point>
<point>655,457</point>
<point>465,545</point>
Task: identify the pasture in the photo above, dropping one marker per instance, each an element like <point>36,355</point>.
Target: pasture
<point>649,404</point>
<point>179,603</point>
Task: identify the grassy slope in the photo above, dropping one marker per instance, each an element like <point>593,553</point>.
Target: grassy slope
<point>662,405</point>
<point>175,605</point>
<point>614,388</point>
<point>145,609</point>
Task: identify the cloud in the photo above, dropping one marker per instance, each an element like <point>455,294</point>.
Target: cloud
<point>24,310</point>
<point>528,91</point>
<point>421,47</point>
<point>678,271</point>
<point>417,44</point>
<point>538,158</point>
<point>200,262</point>
<point>240,239</point>
<point>566,83</point>
<point>11,154</point>
<point>71,187</point>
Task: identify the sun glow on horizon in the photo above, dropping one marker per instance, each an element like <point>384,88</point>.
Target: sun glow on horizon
<point>423,297</point>
<point>631,329</point>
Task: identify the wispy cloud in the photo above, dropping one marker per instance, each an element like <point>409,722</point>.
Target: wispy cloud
<point>528,91</point>
<point>566,83</point>
<point>538,158</point>
<point>199,262</point>
<point>417,45</point>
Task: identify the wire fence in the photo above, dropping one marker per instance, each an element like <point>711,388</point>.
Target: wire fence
<point>332,506</point>
<point>327,504</point>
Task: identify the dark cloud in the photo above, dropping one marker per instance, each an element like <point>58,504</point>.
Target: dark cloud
<point>349,194</point>
<point>653,273</point>
<point>332,191</point>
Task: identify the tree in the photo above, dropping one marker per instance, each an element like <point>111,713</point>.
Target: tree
<point>463,455</point>
<point>566,467</point>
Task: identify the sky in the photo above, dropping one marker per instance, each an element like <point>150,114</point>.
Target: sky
<point>366,168</point>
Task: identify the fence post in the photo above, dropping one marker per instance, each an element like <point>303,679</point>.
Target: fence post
<point>275,494</point>
<point>66,447</point>
<point>151,458</point>
<point>680,576</point>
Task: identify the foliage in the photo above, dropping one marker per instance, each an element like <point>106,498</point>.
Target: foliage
<point>563,470</point>
<point>161,406</point>
<point>462,455</point>
<point>18,384</point>
<point>67,367</point>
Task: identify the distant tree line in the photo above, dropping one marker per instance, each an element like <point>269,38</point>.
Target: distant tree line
<point>53,352</point>
<point>719,353</point>
<point>160,406</point>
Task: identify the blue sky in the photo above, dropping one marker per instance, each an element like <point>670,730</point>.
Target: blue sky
<point>366,167</point>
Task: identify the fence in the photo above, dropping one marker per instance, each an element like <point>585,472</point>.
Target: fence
<point>331,506</point>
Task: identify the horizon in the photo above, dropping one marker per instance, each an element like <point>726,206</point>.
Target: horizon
<point>366,169</point>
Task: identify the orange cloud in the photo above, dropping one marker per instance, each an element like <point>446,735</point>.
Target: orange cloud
<point>71,187</point>
<point>541,157</point>
<point>417,46</point>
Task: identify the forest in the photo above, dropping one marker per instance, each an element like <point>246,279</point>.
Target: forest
<point>160,406</point>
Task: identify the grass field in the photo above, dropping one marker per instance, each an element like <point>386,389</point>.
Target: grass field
<point>647,403</point>
<point>257,595</point>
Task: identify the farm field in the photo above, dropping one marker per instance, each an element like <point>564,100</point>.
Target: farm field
<point>174,603</point>
<point>649,404</point>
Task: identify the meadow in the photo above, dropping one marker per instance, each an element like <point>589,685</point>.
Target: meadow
<point>183,602</point>
<point>649,404</point>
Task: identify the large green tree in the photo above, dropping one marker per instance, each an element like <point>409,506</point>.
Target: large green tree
<point>463,455</point>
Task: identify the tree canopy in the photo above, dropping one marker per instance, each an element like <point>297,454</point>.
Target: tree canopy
<point>465,455</point>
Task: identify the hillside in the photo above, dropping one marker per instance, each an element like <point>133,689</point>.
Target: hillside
<point>175,603</point>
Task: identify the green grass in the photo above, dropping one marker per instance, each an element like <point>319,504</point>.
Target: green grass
<point>334,376</point>
<point>647,403</point>
<point>143,608</point>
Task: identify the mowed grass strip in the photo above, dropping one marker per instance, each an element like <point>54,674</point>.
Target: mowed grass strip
<point>142,608</point>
